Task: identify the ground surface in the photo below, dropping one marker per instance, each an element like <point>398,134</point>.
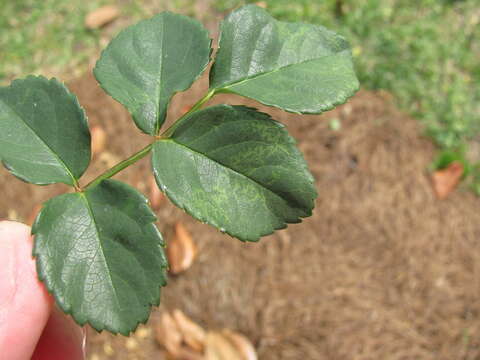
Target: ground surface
<point>382,270</point>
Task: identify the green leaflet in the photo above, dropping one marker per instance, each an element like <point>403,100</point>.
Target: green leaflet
<point>101,256</point>
<point>236,169</point>
<point>44,136</point>
<point>147,63</point>
<point>301,68</point>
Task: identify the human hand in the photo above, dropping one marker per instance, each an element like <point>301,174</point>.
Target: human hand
<point>30,325</point>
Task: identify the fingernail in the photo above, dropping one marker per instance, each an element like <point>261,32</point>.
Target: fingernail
<point>84,342</point>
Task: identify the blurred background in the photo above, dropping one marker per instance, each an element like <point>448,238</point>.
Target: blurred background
<point>389,265</point>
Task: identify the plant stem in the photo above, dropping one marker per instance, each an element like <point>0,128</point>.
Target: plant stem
<point>194,108</point>
<point>144,152</point>
<point>76,185</point>
<point>120,166</point>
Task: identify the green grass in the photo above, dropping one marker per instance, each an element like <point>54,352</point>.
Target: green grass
<point>48,36</point>
<point>42,35</point>
<point>425,52</point>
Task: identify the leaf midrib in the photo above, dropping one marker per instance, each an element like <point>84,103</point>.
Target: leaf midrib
<point>43,142</point>
<point>265,73</point>
<point>297,205</point>
<point>90,211</point>
<point>160,71</point>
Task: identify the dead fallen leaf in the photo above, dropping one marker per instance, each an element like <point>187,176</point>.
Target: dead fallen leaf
<point>168,334</point>
<point>33,214</point>
<point>445,180</point>
<point>193,334</point>
<point>188,354</point>
<point>181,250</point>
<point>262,4</point>
<point>101,16</point>
<point>218,347</point>
<point>99,138</point>
<point>242,344</point>
<point>156,196</point>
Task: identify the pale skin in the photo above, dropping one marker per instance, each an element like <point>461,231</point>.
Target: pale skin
<point>31,327</point>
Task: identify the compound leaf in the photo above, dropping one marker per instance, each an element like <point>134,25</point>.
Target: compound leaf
<point>101,256</point>
<point>301,68</point>
<point>147,63</point>
<point>44,136</point>
<point>236,169</point>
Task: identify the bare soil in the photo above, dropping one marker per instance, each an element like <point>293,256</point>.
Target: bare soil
<point>383,270</point>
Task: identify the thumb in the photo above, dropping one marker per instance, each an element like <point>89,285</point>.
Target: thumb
<point>24,304</point>
<point>28,325</point>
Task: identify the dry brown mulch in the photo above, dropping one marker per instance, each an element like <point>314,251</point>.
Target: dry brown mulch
<point>382,270</point>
